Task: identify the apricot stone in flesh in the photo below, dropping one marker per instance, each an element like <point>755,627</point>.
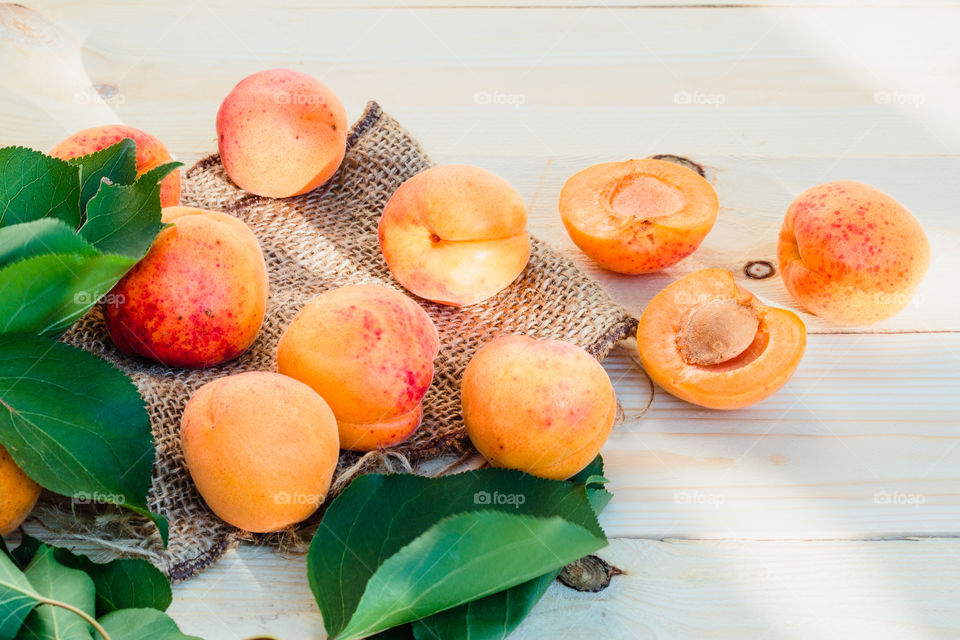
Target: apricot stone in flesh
<point>638,216</point>
<point>18,494</point>
<point>545,407</point>
<point>197,298</point>
<point>455,234</point>
<point>281,133</point>
<point>710,342</point>
<point>851,254</point>
<point>369,351</point>
<point>261,448</point>
<point>151,153</point>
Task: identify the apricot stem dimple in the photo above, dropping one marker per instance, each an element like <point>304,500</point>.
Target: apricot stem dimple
<point>716,331</point>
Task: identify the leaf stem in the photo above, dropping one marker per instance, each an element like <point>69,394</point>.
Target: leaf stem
<point>80,612</point>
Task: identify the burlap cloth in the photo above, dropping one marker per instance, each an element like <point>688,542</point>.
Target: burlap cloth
<point>322,240</point>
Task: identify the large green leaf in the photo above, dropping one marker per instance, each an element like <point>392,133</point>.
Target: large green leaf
<point>54,582</point>
<point>74,423</point>
<point>34,186</point>
<point>396,548</point>
<point>141,624</point>
<point>496,616</point>
<point>117,164</point>
<point>17,597</point>
<point>46,235</point>
<point>124,583</point>
<point>125,219</point>
<point>46,294</point>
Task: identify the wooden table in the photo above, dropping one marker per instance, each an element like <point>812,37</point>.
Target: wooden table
<point>829,510</point>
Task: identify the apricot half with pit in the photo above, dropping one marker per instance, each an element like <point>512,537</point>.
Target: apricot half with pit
<point>709,341</point>
<point>638,216</point>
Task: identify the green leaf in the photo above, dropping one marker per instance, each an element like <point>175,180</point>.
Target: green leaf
<point>116,163</point>
<point>45,294</point>
<point>141,624</point>
<point>23,554</point>
<point>125,219</point>
<point>34,185</point>
<point>124,583</point>
<point>74,423</point>
<point>53,581</point>
<point>46,235</point>
<point>496,616</point>
<point>17,597</point>
<point>396,548</point>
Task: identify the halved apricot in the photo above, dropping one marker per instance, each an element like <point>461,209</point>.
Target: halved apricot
<point>709,341</point>
<point>638,216</point>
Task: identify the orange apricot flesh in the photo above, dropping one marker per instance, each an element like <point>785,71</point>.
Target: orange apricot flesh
<point>638,216</point>
<point>708,341</point>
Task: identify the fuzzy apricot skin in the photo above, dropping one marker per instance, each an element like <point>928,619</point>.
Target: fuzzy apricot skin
<point>369,351</point>
<point>261,449</point>
<point>18,494</point>
<point>638,216</point>
<point>455,234</point>
<point>151,153</point>
<point>757,373</point>
<point>197,298</point>
<point>545,407</point>
<point>851,254</point>
<point>281,133</point>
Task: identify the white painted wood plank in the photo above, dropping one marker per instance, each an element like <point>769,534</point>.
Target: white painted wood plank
<point>673,589</point>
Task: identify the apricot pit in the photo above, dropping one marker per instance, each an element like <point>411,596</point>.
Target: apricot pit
<point>716,332</point>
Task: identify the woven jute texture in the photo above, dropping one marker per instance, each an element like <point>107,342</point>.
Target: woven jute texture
<point>326,239</point>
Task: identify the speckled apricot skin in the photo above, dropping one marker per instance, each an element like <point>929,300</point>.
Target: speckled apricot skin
<point>455,234</point>
<point>636,244</point>
<point>544,407</point>
<point>369,351</point>
<point>756,374</point>
<point>281,133</point>
<point>18,494</point>
<point>151,153</point>
<point>851,254</point>
<point>261,449</point>
<point>197,298</point>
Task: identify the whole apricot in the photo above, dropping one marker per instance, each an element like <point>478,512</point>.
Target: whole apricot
<point>281,133</point>
<point>851,254</point>
<point>369,351</point>
<point>197,298</point>
<point>151,153</point>
<point>261,449</point>
<point>455,234</point>
<point>18,494</point>
<point>545,407</point>
<point>638,216</point>
<point>709,341</point>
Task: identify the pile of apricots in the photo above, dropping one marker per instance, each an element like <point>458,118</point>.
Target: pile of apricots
<point>354,365</point>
